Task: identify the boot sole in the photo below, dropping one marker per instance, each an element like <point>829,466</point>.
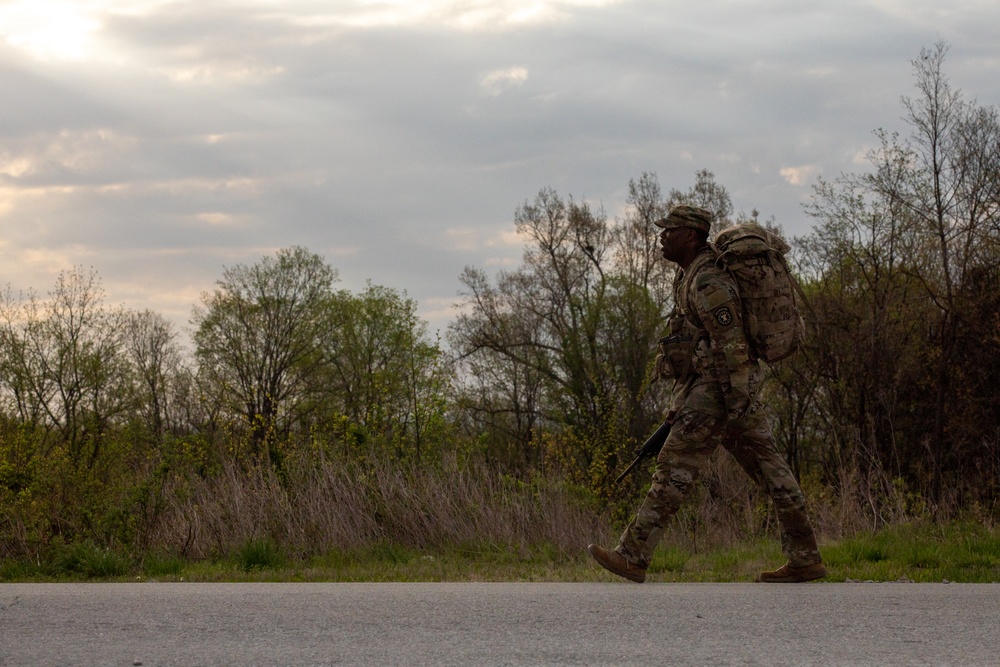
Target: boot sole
<point>637,577</point>
<point>791,579</point>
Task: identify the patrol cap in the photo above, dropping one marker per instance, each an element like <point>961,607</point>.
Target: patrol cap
<point>686,216</point>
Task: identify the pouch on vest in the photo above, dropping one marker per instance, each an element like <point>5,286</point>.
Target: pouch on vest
<point>677,348</point>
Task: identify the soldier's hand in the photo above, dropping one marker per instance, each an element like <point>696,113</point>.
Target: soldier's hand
<point>736,423</point>
<point>661,369</point>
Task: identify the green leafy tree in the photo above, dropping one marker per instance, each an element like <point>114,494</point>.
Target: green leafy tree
<point>260,341</point>
<point>385,379</point>
<point>67,391</point>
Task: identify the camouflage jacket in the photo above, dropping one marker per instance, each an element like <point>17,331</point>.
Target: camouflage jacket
<point>724,375</point>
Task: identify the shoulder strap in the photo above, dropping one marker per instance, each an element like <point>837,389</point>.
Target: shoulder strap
<point>692,270</point>
<point>682,286</point>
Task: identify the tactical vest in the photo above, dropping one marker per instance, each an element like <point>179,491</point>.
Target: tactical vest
<point>684,330</point>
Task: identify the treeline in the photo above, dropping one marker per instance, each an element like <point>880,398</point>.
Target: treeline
<point>107,423</point>
<point>895,401</point>
<point>318,399</point>
<point>900,381</point>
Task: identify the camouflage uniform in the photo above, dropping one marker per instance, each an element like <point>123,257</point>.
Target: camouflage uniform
<point>716,404</point>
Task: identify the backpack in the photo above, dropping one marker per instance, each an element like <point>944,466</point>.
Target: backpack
<point>756,259</point>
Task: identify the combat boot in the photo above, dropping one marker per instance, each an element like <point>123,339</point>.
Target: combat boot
<point>789,574</point>
<point>618,564</point>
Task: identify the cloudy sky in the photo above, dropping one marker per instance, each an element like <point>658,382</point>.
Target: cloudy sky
<point>159,141</point>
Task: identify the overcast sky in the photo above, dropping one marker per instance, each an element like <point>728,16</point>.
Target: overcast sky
<point>159,141</point>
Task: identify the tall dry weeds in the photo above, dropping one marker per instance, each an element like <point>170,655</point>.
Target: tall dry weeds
<point>316,508</point>
<point>726,507</point>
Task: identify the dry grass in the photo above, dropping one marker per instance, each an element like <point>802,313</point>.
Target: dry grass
<point>319,508</point>
<point>317,511</point>
<point>327,507</point>
<point>727,508</point>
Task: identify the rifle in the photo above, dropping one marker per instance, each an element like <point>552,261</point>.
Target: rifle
<point>651,447</point>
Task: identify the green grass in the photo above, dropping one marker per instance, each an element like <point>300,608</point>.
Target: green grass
<point>959,552</point>
<point>260,554</point>
<point>163,565</point>
<point>79,561</point>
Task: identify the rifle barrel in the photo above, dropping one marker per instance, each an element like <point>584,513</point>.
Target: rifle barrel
<point>652,446</point>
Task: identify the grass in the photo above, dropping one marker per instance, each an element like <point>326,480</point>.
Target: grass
<point>91,562</point>
<point>260,554</point>
<point>959,552</point>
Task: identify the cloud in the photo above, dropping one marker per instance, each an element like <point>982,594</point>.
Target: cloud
<point>398,137</point>
<point>15,166</point>
<point>462,239</point>
<point>470,239</point>
<point>49,30</point>
<point>220,72</point>
<point>799,175</point>
<point>217,219</point>
<point>500,80</point>
<point>506,238</point>
<point>860,156</point>
<point>465,15</point>
<point>501,262</point>
<point>438,310</point>
<point>62,156</point>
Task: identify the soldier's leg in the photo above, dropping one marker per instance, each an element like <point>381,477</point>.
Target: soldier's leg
<point>691,441</point>
<point>755,450</point>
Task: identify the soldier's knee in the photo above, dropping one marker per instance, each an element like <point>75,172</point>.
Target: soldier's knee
<point>788,496</point>
<point>671,486</point>
<point>681,480</point>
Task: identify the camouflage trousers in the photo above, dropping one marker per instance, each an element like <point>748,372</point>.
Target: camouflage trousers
<point>693,438</point>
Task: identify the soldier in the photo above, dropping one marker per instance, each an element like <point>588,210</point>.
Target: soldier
<point>714,402</point>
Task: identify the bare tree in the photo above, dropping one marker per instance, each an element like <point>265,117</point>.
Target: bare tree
<point>574,328</point>
<point>636,238</point>
<point>900,260</point>
<point>152,348</point>
<point>708,194</point>
<point>950,192</point>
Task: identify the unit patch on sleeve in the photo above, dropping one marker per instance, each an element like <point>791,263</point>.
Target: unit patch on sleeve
<point>724,316</point>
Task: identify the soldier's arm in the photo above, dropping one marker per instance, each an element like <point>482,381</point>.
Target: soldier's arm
<point>717,302</point>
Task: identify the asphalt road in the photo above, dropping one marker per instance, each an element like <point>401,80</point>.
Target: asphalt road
<point>499,624</point>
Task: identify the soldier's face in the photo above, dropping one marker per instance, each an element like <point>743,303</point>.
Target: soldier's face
<point>673,242</point>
